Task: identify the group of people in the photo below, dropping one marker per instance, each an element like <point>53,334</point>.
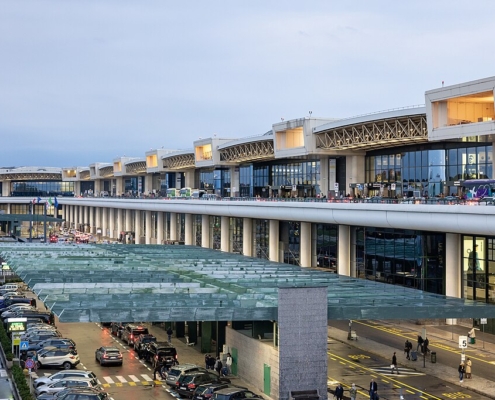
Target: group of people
<point>217,365</point>
<point>353,391</point>
<point>465,370</point>
<point>423,345</point>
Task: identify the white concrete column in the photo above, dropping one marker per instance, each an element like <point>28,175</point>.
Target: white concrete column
<point>343,256</point>
<point>119,186</point>
<point>173,227</point>
<point>77,188</point>
<point>98,218</point>
<point>225,234</point>
<point>75,216</point>
<point>188,230</point>
<point>453,268</point>
<point>86,218</point>
<point>91,221</point>
<point>314,247</point>
<point>97,187</point>
<point>159,227</point>
<point>81,216</point>
<point>137,227</point>
<point>352,252</point>
<point>234,182</point>
<point>324,178</point>
<point>247,237</point>
<point>205,231</point>
<point>273,252</point>
<point>305,244</point>
<point>147,233</point>
<point>6,189</point>
<point>354,171</point>
<point>148,184</point>
<point>111,222</point>
<point>104,222</point>
<point>120,224</point>
<point>189,178</point>
<point>128,220</point>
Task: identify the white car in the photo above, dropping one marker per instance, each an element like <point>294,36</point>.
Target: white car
<point>16,308</point>
<point>57,386</point>
<point>75,373</point>
<point>53,357</point>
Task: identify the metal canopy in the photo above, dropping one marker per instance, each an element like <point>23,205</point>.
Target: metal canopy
<point>29,217</point>
<point>82,283</point>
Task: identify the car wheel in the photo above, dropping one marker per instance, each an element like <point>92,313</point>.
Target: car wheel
<point>66,365</point>
<point>39,365</point>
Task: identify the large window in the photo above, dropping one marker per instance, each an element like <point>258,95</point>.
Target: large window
<point>246,181</point>
<point>470,163</point>
<point>262,232</point>
<point>42,189</point>
<point>401,257</point>
<point>326,245</point>
<point>478,268</point>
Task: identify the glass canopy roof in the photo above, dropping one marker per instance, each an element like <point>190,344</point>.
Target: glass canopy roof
<point>83,283</point>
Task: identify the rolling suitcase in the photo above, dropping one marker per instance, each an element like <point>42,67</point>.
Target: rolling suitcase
<point>414,355</point>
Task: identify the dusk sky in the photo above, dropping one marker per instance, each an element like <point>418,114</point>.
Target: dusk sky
<point>89,81</point>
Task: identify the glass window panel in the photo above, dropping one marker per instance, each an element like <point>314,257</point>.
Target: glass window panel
<point>406,160</point>
<point>417,159</point>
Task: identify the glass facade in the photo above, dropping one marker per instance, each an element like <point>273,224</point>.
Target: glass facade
<point>326,246</point>
<point>478,268</point>
<point>41,188</point>
<point>431,172</point>
<point>402,257</point>
<point>197,229</point>
<point>262,237</point>
<point>246,182</point>
<point>236,226</point>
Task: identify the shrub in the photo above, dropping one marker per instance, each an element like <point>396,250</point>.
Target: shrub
<point>21,383</point>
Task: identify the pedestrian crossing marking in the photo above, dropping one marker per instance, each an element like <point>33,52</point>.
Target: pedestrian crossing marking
<point>146,378</point>
<point>403,372</point>
<point>108,379</point>
<point>121,379</point>
<point>134,378</point>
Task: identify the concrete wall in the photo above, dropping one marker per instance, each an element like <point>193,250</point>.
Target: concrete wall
<point>251,357</point>
<point>303,360</point>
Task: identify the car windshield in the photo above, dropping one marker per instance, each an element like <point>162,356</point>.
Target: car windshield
<point>174,372</point>
<point>188,378</point>
<point>113,352</point>
<point>166,352</point>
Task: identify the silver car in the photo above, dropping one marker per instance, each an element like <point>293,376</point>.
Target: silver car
<point>46,380</point>
<point>57,386</point>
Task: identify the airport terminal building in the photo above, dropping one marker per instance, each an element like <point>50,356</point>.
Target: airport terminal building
<point>390,196</point>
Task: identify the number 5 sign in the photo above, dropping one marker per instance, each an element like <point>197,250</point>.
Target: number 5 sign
<point>463,342</point>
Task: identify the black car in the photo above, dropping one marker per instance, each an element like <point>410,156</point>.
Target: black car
<point>187,383</point>
<point>155,350</point>
<point>235,393</point>
<point>131,332</point>
<point>141,341</point>
<point>206,391</point>
<point>116,328</point>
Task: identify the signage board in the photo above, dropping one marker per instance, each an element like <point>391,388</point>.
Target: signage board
<point>16,341</point>
<point>24,345</point>
<point>336,186</point>
<point>16,324</point>
<point>463,342</point>
<point>483,321</point>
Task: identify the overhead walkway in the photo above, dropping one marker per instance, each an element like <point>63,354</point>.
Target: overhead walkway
<point>188,283</point>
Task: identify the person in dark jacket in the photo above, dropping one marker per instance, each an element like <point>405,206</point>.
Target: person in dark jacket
<point>158,368</point>
<point>394,364</point>
<point>373,389</point>
<point>339,392</point>
<point>218,366</point>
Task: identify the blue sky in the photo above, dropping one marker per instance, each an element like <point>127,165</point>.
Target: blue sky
<point>88,81</point>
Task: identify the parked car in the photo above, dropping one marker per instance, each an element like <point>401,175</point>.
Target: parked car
<point>165,350</point>
<point>187,383</point>
<point>232,393</point>
<point>108,355</point>
<point>131,333</point>
<point>206,391</point>
<point>59,343</point>
<point>53,357</point>
<point>85,392</point>
<point>65,383</point>
<point>175,371</point>
<point>141,341</point>
<point>45,380</point>
<point>116,328</point>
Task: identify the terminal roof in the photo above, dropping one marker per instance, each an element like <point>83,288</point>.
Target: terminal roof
<point>83,283</point>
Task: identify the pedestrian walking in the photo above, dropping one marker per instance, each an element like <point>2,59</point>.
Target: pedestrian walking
<point>468,368</point>
<point>169,333</point>
<point>218,366</point>
<point>207,361</point>
<point>339,392</point>
<point>373,390</point>
<point>407,349</point>
<point>353,392</point>
<point>420,343</point>
<point>394,364</point>
<point>158,368</point>
<point>461,371</point>
<point>212,362</point>
<point>228,363</point>
<point>426,350</point>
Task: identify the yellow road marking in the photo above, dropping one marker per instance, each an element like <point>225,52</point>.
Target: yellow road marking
<point>374,374</point>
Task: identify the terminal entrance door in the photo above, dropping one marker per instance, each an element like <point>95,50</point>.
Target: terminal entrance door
<point>266,379</point>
